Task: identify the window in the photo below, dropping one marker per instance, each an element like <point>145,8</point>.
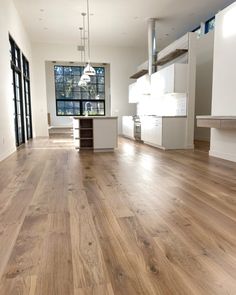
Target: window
<point>72,100</point>
<point>210,25</point>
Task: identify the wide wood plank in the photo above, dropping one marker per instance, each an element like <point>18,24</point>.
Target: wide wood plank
<point>136,221</point>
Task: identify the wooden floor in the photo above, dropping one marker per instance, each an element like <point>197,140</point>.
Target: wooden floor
<point>137,221</point>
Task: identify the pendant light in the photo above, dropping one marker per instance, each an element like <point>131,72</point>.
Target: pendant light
<point>82,83</point>
<point>89,70</point>
<point>85,78</point>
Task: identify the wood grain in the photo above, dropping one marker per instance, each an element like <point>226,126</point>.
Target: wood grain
<point>136,221</point>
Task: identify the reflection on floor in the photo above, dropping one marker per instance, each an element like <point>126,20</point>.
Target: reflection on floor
<point>136,221</point>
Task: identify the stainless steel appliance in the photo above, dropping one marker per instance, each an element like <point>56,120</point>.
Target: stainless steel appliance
<point>137,128</point>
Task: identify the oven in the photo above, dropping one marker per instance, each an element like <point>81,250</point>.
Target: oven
<point>137,128</point>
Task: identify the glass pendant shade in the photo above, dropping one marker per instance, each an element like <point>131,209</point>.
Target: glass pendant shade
<point>85,78</point>
<point>82,83</point>
<point>89,70</point>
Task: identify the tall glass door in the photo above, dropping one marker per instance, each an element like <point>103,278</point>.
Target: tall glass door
<point>17,92</point>
<point>19,115</point>
<point>27,98</point>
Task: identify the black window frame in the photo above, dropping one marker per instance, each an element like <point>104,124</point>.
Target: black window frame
<point>15,63</point>
<point>196,29</point>
<point>28,111</point>
<point>207,24</point>
<point>81,101</point>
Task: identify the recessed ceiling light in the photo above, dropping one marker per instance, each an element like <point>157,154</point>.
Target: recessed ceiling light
<point>45,28</point>
<point>41,10</point>
<point>40,19</point>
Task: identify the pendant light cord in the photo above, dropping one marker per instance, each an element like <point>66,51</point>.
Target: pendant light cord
<point>81,44</point>
<point>84,14</point>
<point>88,18</point>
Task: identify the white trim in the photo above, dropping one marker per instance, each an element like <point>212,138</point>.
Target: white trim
<point>7,154</point>
<point>225,156</point>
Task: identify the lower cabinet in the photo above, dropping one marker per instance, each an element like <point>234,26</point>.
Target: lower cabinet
<point>99,133</point>
<point>164,132</point>
<point>105,134</point>
<point>151,130</point>
<point>128,126</point>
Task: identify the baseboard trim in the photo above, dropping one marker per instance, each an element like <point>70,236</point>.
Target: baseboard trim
<point>4,156</point>
<point>224,156</point>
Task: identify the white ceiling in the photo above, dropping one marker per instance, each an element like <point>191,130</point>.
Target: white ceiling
<point>115,22</point>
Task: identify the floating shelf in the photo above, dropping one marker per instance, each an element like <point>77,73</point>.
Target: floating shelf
<point>139,74</point>
<point>171,56</point>
<point>218,122</point>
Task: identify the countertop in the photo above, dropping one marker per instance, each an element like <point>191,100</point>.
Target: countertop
<point>164,117</point>
<point>217,117</point>
<point>218,122</point>
<point>95,117</point>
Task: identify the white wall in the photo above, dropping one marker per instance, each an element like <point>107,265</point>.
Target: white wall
<point>10,22</point>
<point>223,142</point>
<point>204,51</point>
<point>123,62</point>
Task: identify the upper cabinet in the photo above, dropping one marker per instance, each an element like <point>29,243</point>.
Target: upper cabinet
<point>171,79</point>
<point>144,85</point>
<point>133,93</point>
<point>140,89</point>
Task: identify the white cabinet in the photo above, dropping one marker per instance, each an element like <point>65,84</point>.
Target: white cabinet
<point>144,86</point>
<point>172,79</point>
<point>164,132</point>
<point>151,130</point>
<point>128,126</point>
<point>133,93</point>
<point>95,133</point>
<point>105,134</point>
<point>140,90</point>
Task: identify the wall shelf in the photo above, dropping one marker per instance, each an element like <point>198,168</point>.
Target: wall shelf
<point>171,56</point>
<point>218,122</point>
<point>139,74</point>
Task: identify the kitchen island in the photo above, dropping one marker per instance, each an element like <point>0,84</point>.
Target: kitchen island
<point>98,133</point>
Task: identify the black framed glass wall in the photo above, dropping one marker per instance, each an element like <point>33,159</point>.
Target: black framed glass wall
<point>15,56</point>
<point>27,97</point>
<point>72,100</point>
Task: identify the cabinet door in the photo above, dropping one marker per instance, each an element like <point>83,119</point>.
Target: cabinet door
<point>157,85</point>
<point>169,78</point>
<point>180,78</point>
<point>172,79</point>
<point>145,129</point>
<point>128,126</point>
<point>156,133</point>
<point>105,133</point>
<point>133,93</point>
<point>144,85</point>
<point>151,130</point>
